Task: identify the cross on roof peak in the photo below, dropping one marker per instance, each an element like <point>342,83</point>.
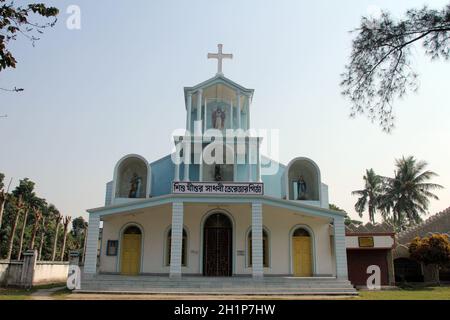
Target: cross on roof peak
<point>219,56</point>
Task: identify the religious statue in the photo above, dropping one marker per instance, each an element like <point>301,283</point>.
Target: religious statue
<point>135,186</point>
<point>301,189</point>
<point>218,119</point>
<point>217,173</point>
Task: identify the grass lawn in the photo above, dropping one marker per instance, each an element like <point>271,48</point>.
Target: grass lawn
<point>420,293</point>
<point>15,294</point>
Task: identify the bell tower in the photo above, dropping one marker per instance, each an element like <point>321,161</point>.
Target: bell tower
<point>219,107</point>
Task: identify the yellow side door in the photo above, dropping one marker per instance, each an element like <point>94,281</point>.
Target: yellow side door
<point>131,254</point>
<point>301,254</point>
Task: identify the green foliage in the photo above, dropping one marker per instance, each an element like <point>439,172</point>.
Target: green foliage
<point>46,227</point>
<point>434,249</point>
<point>381,69</point>
<point>21,20</point>
<point>2,178</point>
<point>403,199</point>
<point>407,195</point>
<point>336,208</point>
<point>370,195</point>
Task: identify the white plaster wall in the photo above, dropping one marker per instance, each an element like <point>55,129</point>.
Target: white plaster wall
<point>351,242</point>
<point>50,272</point>
<point>278,222</point>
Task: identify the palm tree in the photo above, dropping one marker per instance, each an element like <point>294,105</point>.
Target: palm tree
<point>41,244</point>
<point>26,190</point>
<point>57,216</point>
<point>19,206</point>
<point>370,195</point>
<point>66,225</point>
<point>407,196</point>
<point>37,218</point>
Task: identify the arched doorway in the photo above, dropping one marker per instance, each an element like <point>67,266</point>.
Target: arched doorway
<point>217,246</point>
<point>302,253</point>
<point>131,251</point>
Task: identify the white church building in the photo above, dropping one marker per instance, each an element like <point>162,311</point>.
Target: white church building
<point>213,209</point>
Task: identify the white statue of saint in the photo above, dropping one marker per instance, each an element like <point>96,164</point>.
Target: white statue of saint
<point>218,119</point>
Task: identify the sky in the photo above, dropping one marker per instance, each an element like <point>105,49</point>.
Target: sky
<point>115,87</point>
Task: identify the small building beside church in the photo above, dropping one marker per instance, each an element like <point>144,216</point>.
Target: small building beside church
<point>216,206</point>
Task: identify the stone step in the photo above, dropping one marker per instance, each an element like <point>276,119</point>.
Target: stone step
<point>212,285</point>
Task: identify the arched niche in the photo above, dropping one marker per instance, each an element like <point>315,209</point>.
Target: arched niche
<point>132,178</point>
<point>223,165</point>
<point>303,180</point>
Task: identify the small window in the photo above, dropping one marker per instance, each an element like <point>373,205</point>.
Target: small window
<point>301,233</point>
<point>265,249</point>
<point>183,248</point>
<point>111,247</point>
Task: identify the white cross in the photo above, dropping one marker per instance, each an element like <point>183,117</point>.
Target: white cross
<point>219,56</point>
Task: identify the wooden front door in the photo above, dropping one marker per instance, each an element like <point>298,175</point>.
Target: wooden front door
<point>131,254</point>
<point>217,247</point>
<point>301,255</point>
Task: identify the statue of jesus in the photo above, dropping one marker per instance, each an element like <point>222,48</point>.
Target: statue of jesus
<point>218,119</point>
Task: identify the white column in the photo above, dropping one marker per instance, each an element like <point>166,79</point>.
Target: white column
<point>258,162</point>
<point>200,174</point>
<point>199,106</point>
<point>235,167</point>
<point>249,160</point>
<point>231,114</point>
<point>187,157</point>
<point>257,240</point>
<point>248,113</point>
<point>176,244</point>
<point>189,112</point>
<point>238,108</point>
<point>340,251</point>
<point>177,166</point>
<point>90,260</point>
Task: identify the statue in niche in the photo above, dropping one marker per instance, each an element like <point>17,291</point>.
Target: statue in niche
<point>217,173</point>
<point>218,118</point>
<point>135,186</point>
<point>301,189</point>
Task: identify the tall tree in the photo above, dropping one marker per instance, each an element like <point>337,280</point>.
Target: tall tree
<point>2,197</point>
<point>57,217</point>
<point>66,222</point>
<point>369,196</point>
<point>42,238</point>
<point>407,196</point>
<point>26,21</point>
<point>37,219</point>
<point>18,207</point>
<point>381,69</point>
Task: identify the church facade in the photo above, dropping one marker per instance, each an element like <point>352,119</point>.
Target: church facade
<point>216,207</point>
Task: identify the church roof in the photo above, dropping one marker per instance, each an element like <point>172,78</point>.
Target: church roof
<point>218,78</point>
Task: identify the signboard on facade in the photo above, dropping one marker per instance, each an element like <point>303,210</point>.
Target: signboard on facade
<point>218,188</point>
<point>365,242</point>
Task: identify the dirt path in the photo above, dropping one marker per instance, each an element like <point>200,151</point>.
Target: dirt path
<point>45,294</point>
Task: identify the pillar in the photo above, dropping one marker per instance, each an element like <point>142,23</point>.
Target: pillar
<point>176,175</point>
<point>177,240</point>
<point>249,161</point>
<point>340,251</point>
<point>238,108</point>
<point>257,240</point>
<point>187,157</point>
<point>189,112</point>
<point>258,162</point>
<point>90,262</point>
<point>28,267</point>
<point>199,106</point>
